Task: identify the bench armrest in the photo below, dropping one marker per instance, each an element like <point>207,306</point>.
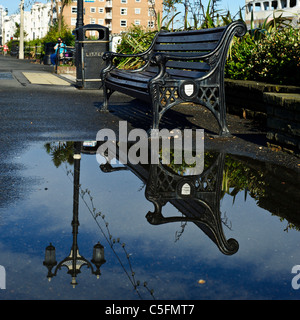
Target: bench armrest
<point>145,55</point>
<point>109,56</point>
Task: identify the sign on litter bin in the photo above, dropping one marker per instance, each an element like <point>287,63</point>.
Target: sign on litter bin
<point>92,41</point>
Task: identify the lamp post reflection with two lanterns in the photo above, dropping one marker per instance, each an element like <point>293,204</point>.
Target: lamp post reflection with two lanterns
<point>74,261</point>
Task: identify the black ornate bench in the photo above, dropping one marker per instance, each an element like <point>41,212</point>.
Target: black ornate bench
<point>185,66</point>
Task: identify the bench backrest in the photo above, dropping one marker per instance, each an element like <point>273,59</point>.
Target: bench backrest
<point>188,43</point>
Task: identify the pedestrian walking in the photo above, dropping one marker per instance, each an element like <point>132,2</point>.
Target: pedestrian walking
<point>5,49</point>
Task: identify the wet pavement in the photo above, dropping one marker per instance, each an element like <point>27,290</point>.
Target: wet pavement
<point>179,260</point>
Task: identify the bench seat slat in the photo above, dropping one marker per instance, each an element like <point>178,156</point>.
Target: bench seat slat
<point>188,65</point>
<point>137,76</point>
<point>141,79</point>
<point>205,46</point>
<point>198,38</point>
<point>203,32</point>
<point>184,54</point>
<point>128,82</point>
<point>185,74</point>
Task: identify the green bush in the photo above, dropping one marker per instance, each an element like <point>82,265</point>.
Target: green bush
<point>65,34</point>
<point>273,58</point>
<point>135,40</point>
<point>34,48</point>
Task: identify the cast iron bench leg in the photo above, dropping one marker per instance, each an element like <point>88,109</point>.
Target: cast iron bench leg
<point>106,95</point>
<point>224,131</point>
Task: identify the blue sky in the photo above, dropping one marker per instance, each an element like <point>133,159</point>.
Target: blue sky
<point>13,5</point>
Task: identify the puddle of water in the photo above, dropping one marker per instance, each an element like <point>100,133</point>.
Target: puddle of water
<point>6,76</point>
<point>158,243</point>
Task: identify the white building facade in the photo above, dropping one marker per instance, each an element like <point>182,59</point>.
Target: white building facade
<point>9,26</point>
<point>36,22</point>
<point>264,9</point>
<point>2,14</point>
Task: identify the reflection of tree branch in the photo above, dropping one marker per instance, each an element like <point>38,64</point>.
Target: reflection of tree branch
<point>179,233</point>
<point>112,242</point>
<point>227,223</point>
<point>60,152</point>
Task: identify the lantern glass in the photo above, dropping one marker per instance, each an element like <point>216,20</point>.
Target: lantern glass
<point>98,254</point>
<point>50,256</point>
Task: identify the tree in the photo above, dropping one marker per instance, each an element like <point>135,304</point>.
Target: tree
<point>170,7</point>
<point>17,32</point>
<point>65,34</point>
<point>60,4</point>
<point>195,9</point>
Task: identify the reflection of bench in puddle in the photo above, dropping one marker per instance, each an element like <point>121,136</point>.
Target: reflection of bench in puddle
<point>197,197</point>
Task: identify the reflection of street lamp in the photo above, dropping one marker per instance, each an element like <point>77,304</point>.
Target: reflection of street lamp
<point>74,261</point>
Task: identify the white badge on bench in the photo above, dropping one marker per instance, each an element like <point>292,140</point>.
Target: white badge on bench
<point>186,189</point>
<point>189,89</point>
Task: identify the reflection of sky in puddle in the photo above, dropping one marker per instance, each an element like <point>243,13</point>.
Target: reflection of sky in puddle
<point>260,269</point>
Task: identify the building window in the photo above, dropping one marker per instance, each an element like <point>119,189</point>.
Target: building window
<point>137,11</point>
<point>283,4</point>
<point>150,24</point>
<point>73,21</point>
<point>100,21</point>
<point>123,1</point>
<point>266,6</point>
<point>293,3</point>
<point>274,5</point>
<point>137,22</point>
<point>93,10</point>
<point>123,11</point>
<point>123,23</point>
<point>73,10</point>
<point>93,21</point>
<point>101,10</point>
<point>257,6</point>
